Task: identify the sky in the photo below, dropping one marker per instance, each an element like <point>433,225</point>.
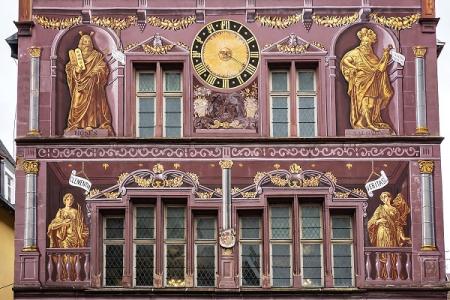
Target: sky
<point>8,83</point>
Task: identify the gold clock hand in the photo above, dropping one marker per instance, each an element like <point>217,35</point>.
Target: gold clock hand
<point>238,61</point>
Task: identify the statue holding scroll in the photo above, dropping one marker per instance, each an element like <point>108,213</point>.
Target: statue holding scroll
<point>87,75</point>
<point>369,87</point>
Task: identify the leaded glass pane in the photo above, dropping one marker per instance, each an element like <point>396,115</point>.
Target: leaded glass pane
<point>250,259</point>
<point>280,102</point>
<point>146,116</point>
<point>206,229</point>
<point>306,81</point>
<point>175,225</point>
<point>173,82</point>
<point>281,265</point>
<point>250,228</point>
<point>342,264</point>
<point>146,82</point>
<point>175,264</point>
<point>312,264</point>
<point>280,222</point>
<point>144,265</point>
<point>113,265</point>
<point>341,227</point>
<point>114,228</point>
<point>280,129</point>
<point>173,117</point>
<point>307,116</point>
<point>279,81</point>
<point>145,223</point>
<point>206,270</point>
<point>311,222</point>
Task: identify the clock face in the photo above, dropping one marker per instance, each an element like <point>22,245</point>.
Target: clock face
<point>225,54</point>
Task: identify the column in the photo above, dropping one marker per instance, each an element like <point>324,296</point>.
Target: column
<point>31,168</point>
<point>33,123</point>
<point>226,166</point>
<point>421,99</point>
<point>427,196</point>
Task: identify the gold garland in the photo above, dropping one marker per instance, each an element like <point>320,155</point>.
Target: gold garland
<point>121,178</point>
<point>319,45</point>
<point>359,192</point>
<point>278,22</point>
<point>335,21</point>
<point>156,183</point>
<point>396,23</point>
<point>111,195</point>
<point>312,181</point>
<point>130,46</point>
<point>248,195</point>
<point>194,177</point>
<point>331,177</point>
<point>115,23</point>
<point>57,23</point>
<point>157,50</point>
<point>341,195</point>
<point>297,49</point>
<point>171,24</point>
<point>204,195</point>
<point>258,177</point>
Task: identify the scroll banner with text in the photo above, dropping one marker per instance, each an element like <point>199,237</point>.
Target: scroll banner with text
<point>397,57</point>
<point>80,182</point>
<point>377,184</point>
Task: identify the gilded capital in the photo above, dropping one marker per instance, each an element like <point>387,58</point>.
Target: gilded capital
<point>426,166</point>
<point>34,51</point>
<point>226,164</point>
<point>30,166</point>
<point>420,51</point>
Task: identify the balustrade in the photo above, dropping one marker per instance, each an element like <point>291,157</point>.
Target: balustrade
<point>68,265</point>
<point>388,264</point>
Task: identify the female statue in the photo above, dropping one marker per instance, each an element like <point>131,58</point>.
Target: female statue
<point>368,82</point>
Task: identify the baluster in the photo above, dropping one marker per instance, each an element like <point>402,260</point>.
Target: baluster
<point>408,266</point>
<point>77,267</point>
<point>378,265</point>
<point>50,267</point>
<point>58,268</point>
<point>368,266</point>
<point>389,257</point>
<point>69,267</point>
<point>87,267</point>
<point>398,265</point>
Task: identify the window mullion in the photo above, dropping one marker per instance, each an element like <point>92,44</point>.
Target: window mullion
<point>293,100</point>
<point>159,101</point>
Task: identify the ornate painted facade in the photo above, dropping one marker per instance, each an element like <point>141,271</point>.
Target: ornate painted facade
<point>255,148</point>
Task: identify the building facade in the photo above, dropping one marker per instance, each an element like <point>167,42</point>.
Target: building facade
<point>206,149</point>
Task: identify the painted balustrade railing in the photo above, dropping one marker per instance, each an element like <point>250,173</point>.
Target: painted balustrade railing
<point>388,264</point>
<point>68,266</point>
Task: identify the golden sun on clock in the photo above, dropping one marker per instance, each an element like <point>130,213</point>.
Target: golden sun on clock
<point>225,54</point>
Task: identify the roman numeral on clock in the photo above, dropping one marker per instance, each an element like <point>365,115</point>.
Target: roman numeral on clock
<point>211,79</point>
<point>196,54</point>
<point>251,69</point>
<point>225,24</point>
<point>239,78</point>
<point>225,83</point>
<point>200,68</point>
<point>251,39</point>
<point>210,28</point>
<point>254,54</point>
<point>199,40</point>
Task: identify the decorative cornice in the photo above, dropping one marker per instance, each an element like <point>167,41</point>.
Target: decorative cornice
<point>34,52</point>
<point>30,166</point>
<point>114,23</point>
<point>226,164</point>
<point>396,23</point>
<point>420,51</point>
<point>57,23</point>
<point>171,24</point>
<point>426,166</point>
<point>278,22</point>
<point>335,21</point>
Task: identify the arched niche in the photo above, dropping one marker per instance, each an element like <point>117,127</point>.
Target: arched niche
<point>104,41</point>
<point>347,40</point>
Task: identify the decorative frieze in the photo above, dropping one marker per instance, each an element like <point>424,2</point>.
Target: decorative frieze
<point>396,23</point>
<point>57,23</point>
<point>335,21</point>
<point>115,23</point>
<point>157,50</point>
<point>171,24</point>
<point>278,22</point>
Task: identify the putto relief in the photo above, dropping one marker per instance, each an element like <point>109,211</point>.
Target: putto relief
<point>369,87</point>
<point>214,110</point>
<point>87,75</point>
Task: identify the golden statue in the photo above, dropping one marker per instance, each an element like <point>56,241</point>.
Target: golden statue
<point>368,82</point>
<point>386,229</point>
<point>87,75</point>
<point>68,230</point>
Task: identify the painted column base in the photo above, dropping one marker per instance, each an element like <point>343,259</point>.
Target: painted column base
<point>29,269</point>
<point>431,267</point>
<point>227,280</point>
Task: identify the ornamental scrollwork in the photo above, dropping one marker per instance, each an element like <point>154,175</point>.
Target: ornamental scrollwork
<point>278,22</point>
<point>396,23</point>
<point>171,24</point>
<point>335,21</point>
<point>114,23</point>
<point>57,23</point>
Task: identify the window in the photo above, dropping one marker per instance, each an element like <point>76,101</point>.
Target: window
<point>342,250</point>
<point>205,251</point>
<point>250,242</point>
<point>9,188</point>
<point>302,97</point>
<point>159,102</point>
<point>113,250</point>
<point>175,246</point>
<point>144,245</point>
<point>280,246</point>
<point>311,244</point>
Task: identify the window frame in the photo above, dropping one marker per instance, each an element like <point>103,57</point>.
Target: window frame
<point>172,94</point>
<point>209,242</point>
<point>106,242</point>
<point>274,94</point>
<point>140,95</point>
<point>251,241</point>
<point>349,241</point>
<point>312,94</point>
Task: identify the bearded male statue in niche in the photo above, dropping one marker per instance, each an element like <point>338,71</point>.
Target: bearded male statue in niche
<point>368,83</point>
<point>87,75</point>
